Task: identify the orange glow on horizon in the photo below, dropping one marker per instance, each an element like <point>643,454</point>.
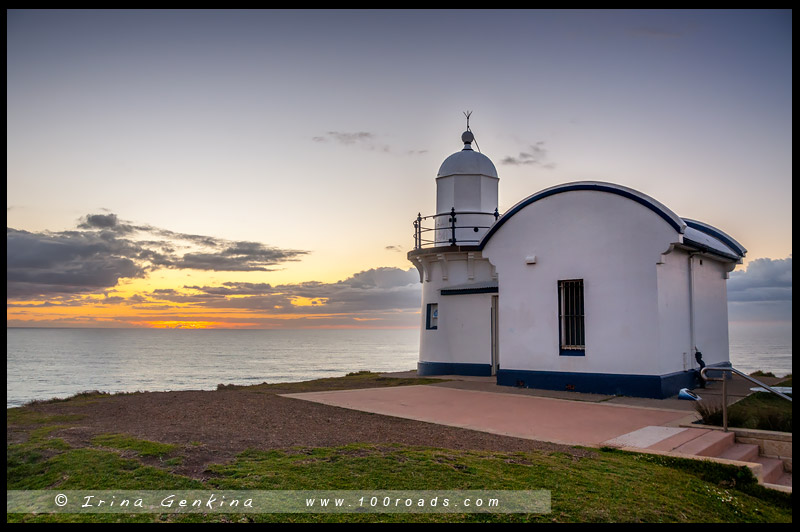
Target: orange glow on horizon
<point>308,301</point>
<point>180,324</point>
<point>178,300</point>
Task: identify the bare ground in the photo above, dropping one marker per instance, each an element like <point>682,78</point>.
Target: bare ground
<point>214,426</point>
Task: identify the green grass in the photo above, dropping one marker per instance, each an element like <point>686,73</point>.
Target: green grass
<point>359,379</point>
<point>589,486</point>
<point>87,396</point>
<point>25,416</point>
<point>142,447</point>
<point>608,486</point>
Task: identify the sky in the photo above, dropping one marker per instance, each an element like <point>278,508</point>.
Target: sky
<point>262,169</point>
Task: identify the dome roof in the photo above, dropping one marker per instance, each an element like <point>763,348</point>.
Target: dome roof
<point>467,161</point>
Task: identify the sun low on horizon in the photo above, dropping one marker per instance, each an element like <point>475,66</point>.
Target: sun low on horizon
<point>186,281</point>
<point>262,169</point>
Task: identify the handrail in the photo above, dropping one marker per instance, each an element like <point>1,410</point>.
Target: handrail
<point>725,388</point>
<point>449,229</point>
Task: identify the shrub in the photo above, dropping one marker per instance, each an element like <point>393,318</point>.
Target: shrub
<point>757,411</point>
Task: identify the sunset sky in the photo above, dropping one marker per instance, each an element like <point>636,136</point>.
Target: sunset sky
<point>262,169</point>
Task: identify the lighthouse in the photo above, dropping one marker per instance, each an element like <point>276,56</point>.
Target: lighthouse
<point>459,286</point>
<point>586,286</point>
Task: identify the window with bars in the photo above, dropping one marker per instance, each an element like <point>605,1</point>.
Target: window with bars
<point>570,314</point>
<point>432,317</point>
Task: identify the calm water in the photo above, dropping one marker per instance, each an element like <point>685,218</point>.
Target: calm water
<point>764,346</point>
<point>45,363</point>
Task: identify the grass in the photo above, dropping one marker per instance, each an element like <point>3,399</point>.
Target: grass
<point>24,416</point>
<point>141,447</point>
<point>610,486</point>
<point>359,379</point>
<point>601,485</point>
<point>760,373</point>
<point>763,411</point>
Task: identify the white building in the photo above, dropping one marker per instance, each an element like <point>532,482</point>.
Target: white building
<point>585,286</point>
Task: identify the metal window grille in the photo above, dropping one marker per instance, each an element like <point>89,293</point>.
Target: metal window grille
<point>433,316</point>
<point>573,332</point>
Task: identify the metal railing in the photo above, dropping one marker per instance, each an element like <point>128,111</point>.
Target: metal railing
<point>445,234</point>
<point>725,388</point>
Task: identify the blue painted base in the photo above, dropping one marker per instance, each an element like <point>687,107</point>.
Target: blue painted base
<point>453,368</point>
<point>653,386</point>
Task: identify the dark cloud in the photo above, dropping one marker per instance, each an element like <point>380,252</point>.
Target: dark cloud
<point>235,289</point>
<point>237,257</point>
<point>377,289</point>
<point>536,155</point>
<point>762,292</point>
<point>104,221</point>
<point>763,280</point>
<point>103,250</point>
<point>71,262</point>
<point>382,278</point>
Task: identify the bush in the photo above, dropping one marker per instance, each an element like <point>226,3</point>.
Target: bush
<point>757,411</point>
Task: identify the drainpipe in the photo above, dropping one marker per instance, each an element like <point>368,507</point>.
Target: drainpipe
<point>692,346</point>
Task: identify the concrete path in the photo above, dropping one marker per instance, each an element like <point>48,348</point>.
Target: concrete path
<point>523,416</point>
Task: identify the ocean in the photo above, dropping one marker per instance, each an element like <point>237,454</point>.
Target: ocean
<point>47,363</point>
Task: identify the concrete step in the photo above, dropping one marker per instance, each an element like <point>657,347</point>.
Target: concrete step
<point>743,452</point>
<point>713,443</point>
<point>673,442</point>
<point>772,469</point>
<point>784,480</point>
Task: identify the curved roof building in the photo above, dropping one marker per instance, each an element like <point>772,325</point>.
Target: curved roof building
<point>587,286</point>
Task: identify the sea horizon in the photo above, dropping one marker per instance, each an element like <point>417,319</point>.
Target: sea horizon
<point>64,361</point>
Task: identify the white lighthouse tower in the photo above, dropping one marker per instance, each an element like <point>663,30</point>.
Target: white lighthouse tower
<point>459,286</point>
<point>620,310</point>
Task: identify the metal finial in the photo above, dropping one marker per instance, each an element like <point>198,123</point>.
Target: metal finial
<point>467,114</point>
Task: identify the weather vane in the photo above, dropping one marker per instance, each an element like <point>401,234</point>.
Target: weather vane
<point>471,135</point>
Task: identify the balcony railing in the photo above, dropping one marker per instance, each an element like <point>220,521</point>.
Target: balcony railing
<point>446,230</point>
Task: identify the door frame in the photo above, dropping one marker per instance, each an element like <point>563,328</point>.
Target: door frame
<point>495,348</point>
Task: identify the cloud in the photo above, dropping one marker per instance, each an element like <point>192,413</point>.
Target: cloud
<point>103,250</point>
<point>763,280</point>
<point>762,292</point>
<point>376,289</point>
<point>536,155</point>
<point>101,221</point>
<point>346,138</point>
<point>237,257</point>
<point>65,263</point>
<point>362,139</point>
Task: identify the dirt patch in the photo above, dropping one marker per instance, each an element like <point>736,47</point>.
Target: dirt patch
<point>214,426</point>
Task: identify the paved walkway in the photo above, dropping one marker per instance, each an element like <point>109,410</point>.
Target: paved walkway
<point>478,403</point>
<point>533,417</point>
